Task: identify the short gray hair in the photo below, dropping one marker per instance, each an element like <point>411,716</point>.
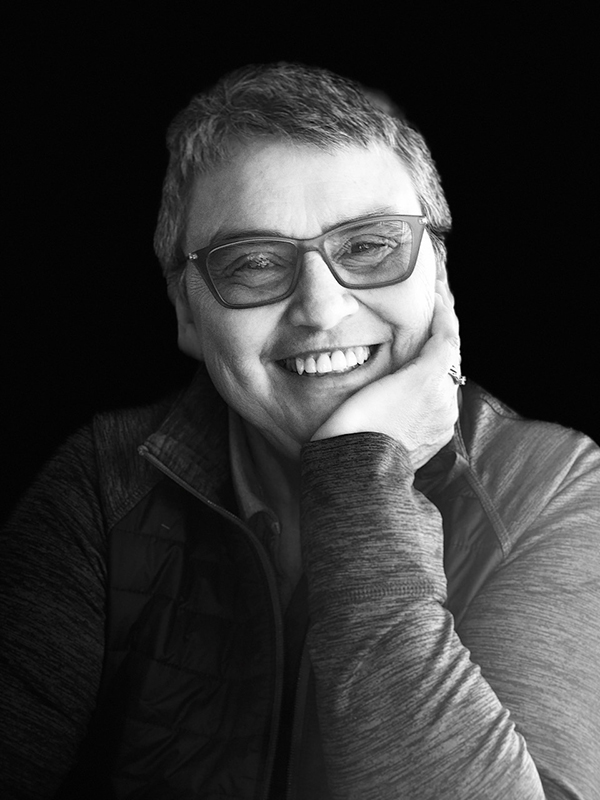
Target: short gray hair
<point>294,102</point>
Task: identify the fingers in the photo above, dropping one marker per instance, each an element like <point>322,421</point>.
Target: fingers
<point>449,330</point>
<point>445,321</point>
<point>442,350</point>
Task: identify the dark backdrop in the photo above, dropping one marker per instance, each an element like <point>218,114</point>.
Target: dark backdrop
<point>505,96</point>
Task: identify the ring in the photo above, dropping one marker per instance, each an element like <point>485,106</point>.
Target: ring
<point>458,379</point>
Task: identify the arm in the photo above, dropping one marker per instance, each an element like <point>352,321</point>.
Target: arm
<point>52,573</point>
<point>404,711</point>
<point>404,707</point>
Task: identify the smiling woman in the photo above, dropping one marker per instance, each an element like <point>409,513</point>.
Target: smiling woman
<point>328,567</point>
<point>304,192</point>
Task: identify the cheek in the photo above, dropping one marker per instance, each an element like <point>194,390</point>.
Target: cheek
<point>408,306</point>
<point>217,329</point>
<point>419,300</point>
<point>234,343</point>
<point>232,358</point>
<point>408,309</point>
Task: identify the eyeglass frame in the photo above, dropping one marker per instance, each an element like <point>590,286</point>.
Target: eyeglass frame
<point>199,258</point>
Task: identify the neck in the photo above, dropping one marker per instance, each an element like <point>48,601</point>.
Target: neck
<point>279,476</point>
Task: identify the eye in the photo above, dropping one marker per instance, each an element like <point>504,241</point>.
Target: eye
<point>368,245</point>
<point>243,259</point>
<point>364,249</point>
<point>257,261</point>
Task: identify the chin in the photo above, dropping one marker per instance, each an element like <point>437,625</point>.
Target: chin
<point>288,439</point>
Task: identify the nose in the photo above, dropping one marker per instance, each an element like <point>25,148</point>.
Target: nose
<point>319,301</point>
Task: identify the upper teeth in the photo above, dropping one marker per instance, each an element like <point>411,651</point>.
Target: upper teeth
<point>334,361</point>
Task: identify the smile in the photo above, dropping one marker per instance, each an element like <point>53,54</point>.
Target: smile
<point>325,363</point>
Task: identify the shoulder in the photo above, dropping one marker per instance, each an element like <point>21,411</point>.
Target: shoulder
<point>123,476</point>
<point>87,481</point>
<point>495,435</point>
<point>527,467</point>
<point>117,434</point>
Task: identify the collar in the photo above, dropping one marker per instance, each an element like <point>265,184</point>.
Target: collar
<point>247,488</point>
<point>191,442</point>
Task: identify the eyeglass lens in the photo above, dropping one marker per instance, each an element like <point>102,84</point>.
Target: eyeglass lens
<point>366,254</point>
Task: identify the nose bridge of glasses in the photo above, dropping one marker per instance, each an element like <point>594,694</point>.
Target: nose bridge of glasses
<point>319,298</point>
<point>304,268</point>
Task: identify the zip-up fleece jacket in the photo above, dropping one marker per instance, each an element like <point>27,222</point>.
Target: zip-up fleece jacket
<point>452,643</point>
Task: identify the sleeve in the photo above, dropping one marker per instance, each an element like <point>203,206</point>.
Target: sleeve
<point>535,632</point>
<point>409,706</point>
<point>52,607</point>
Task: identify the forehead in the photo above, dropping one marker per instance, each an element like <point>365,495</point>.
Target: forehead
<point>296,190</point>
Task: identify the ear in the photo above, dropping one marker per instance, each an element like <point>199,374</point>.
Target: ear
<point>189,338</point>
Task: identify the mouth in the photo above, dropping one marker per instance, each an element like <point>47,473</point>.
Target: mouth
<point>328,362</point>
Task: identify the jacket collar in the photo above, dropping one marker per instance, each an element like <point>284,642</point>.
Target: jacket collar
<point>192,441</point>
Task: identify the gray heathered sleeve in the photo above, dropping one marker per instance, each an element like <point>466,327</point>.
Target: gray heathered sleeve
<point>52,592</point>
<point>404,708</point>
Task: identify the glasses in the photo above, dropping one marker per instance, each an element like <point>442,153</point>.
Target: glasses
<point>366,254</point>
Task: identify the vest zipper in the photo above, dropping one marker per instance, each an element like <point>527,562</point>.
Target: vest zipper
<point>274,594</point>
<point>298,724</point>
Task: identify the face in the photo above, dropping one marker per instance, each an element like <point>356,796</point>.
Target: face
<point>255,355</point>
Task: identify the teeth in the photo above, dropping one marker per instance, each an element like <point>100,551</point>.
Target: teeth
<point>339,361</point>
<point>323,363</point>
<point>351,359</point>
<point>310,365</point>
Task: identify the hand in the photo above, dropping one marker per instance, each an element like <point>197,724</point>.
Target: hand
<point>418,404</point>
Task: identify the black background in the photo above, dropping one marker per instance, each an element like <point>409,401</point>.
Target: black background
<point>505,95</point>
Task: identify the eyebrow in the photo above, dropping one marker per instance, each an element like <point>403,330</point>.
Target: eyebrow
<point>225,234</point>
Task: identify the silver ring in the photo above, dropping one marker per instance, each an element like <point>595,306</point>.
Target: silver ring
<point>458,379</point>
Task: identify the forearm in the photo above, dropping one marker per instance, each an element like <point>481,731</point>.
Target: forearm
<point>403,710</point>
